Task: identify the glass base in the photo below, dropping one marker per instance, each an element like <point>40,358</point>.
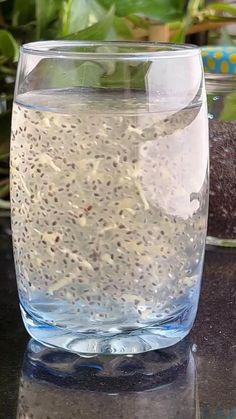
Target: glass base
<point>214,241</point>
<point>108,374</point>
<point>89,344</point>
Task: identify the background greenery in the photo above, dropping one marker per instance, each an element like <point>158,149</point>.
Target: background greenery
<point>30,20</point>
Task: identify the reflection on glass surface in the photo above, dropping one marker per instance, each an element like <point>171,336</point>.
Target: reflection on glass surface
<point>158,384</point>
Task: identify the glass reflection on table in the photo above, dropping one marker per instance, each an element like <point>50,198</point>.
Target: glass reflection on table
<point>60,385</point>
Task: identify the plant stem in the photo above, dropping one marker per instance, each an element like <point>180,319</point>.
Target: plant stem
<point>66,17</point>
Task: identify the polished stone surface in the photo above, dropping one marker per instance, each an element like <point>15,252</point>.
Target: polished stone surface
<point>194,379</point>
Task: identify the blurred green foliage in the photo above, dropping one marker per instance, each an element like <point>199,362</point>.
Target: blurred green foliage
<point>30,20</point>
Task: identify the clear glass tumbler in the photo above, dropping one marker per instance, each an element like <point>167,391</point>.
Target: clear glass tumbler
<point>109,193</point>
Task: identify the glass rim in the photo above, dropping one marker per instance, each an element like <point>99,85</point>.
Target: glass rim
<point>138,50</point>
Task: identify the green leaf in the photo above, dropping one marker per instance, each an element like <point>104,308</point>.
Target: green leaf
<point>77,15</point>
<point>98,31</point>
<point>119,78</point>
<point>162,10</point>
<point>108,65</point>
<point>23,12</point>
<point>9,49</point>
<point>46,12</point>
<point>194,6</point>
<point>138,21</point>
<point>106,3</point>
<point>222,7</point>
<point>126,75</point>
<point>175,25</point>
<point>138,75</point>
<point>59,74</point>
<point>122,28</point>
<point>89,74</point>
<point>65,16</point>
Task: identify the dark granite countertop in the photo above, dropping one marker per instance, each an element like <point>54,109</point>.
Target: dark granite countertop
<point>194,379</point>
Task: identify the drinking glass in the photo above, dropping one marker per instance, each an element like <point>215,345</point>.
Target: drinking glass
<point>109,193</point>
